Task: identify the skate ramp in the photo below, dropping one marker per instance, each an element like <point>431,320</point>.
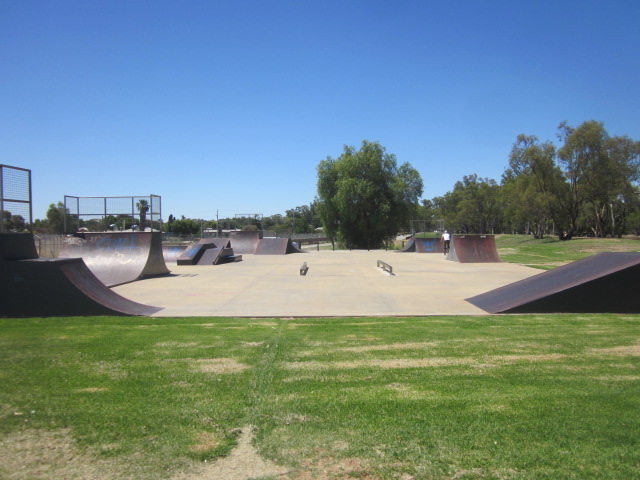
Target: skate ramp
<point>245,242</point>
<point>275,246</point>
<point>17,246</point>
<point>216,256</point>
<point>60,287</point>
<point>119,257</point>
<point>603,283</point>
<point>409,247</point>
<point>194,252</point>
<point>33,287</point>
<point>473,249</point>
<point>424,245</point>
<point>208,251</point>
<point>210,256</point>
<point>170,253</point>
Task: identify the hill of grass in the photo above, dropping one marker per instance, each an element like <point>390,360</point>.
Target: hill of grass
<point>550,252</point>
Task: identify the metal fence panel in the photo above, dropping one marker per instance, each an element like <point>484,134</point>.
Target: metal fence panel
<point>15,199</point>
<point>79,209</point>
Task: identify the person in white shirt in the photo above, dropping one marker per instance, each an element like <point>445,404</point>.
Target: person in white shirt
<point>446,238</point>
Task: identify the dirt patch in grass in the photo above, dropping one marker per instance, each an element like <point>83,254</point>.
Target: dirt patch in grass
<point>621,351</point>
<point>43,454</point>
<point>381,363</point>
<point>220,365</point>
<point>206,441</point>
<point>177,344</point>
<point>619,378</point>
<point>92,390</point>
<point>392,363</point>
<point>366,338</point>
<point>375,348</point>
<point>405,391</point>
<point>612,246</point>
<point>531,358</point>
<point>327,466</point>
<point>299,378</point>
<point>113,370</point>
<point>393,346</point>
<point>243,463</point>
<point>252,344</point>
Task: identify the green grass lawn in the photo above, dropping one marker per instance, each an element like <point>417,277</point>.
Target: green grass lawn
<point>492,397</point>
<point>550,252</point>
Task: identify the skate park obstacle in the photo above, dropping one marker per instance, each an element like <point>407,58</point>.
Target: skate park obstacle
<point>304,269</point>
<point>385,266</point>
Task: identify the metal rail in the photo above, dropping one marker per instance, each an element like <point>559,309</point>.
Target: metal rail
<point>385,266</point>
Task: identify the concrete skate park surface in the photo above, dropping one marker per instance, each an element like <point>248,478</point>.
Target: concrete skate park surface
<point>338,283</point>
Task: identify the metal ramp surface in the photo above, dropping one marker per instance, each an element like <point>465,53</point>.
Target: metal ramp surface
<point>118,257</point>
<point>209,251</point>
<point>602,283</point>
<point>424,245</point>
<point>245,242</point>
<point>34,287</point>
<point>473,249</point>
<point>275,246</point>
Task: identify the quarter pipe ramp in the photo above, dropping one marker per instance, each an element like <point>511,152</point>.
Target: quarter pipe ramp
<point>603,283</point>
<point>245,242</point>
<point>172,252</point>
<point>424,245</point>
<point>34,287</point>
<point>275,246</point>
<point>473,249</point>
<point>119,257</point>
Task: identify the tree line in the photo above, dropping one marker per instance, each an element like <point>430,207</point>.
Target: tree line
<point>586,186</point>
<point>301,219</point>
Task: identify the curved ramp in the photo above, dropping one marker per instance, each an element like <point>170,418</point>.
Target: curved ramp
<point>424,245</point>
<point>60,287</point>
<point>171,253</point>
<point>409,247</point>
<point>275,246</point>
<point>473,249</point>
<point>603,283</point>
<point>245,242</point>
<point>119,257</point>
<point>34,287</point>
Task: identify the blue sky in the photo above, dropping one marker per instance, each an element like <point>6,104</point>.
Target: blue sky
<point>229,106</point>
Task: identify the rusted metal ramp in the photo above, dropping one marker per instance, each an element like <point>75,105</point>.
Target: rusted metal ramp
<point>424,245</point>
<point>602,283</point>
<point>118,257</point>
<point>35,287</point>
<point>245,242</point>
<point>275,246</point>
<point>473,249</point>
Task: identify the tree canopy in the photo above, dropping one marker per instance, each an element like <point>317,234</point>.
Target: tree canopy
<point>363,196</point>
<point>586,186</point>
